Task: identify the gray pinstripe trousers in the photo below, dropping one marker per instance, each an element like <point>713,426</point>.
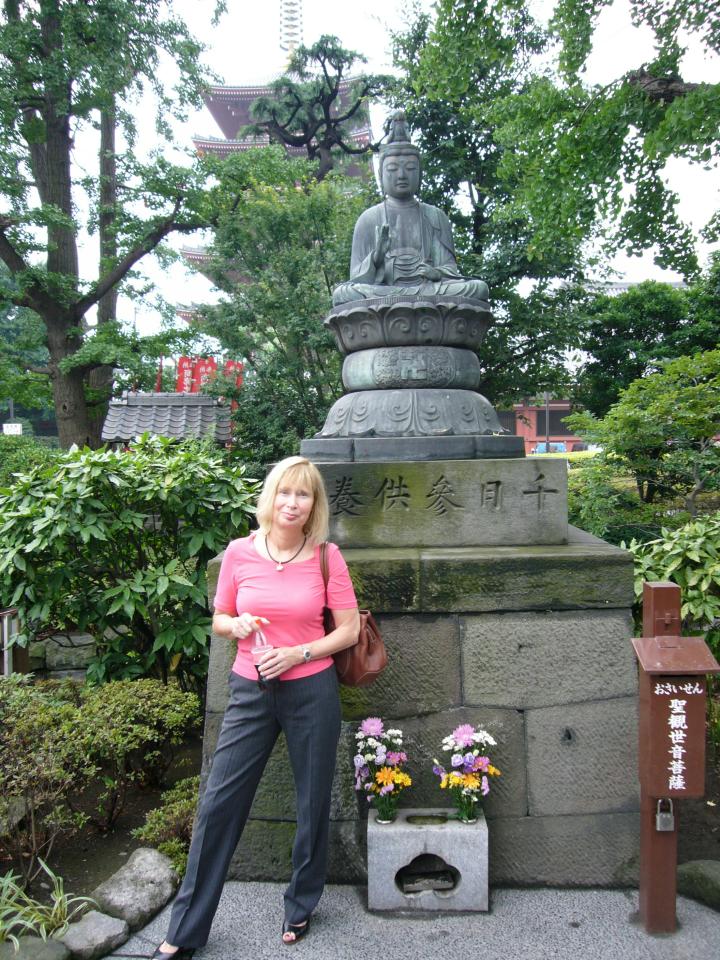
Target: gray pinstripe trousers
<point>307,710</point>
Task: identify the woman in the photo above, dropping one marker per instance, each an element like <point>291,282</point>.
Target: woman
<point>273,578</point>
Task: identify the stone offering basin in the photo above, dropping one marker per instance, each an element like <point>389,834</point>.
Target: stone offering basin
<point>394,322</point>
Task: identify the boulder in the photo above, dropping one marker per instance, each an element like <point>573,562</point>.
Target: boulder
<point>95,935</point>
<point>139,889</point>
<point>700,880</point>
<point>33,948</point>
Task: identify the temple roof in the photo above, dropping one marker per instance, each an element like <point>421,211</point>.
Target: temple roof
<point>230,107</point>
<point>174,415</point>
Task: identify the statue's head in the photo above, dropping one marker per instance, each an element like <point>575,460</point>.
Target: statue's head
<point>399,161</point>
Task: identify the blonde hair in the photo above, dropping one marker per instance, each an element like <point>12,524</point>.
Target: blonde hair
<point>298,471</point>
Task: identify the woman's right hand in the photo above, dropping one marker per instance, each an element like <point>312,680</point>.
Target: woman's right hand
<point>245,624</point>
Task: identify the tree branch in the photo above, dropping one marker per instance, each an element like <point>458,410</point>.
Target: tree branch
<point>153,238</point>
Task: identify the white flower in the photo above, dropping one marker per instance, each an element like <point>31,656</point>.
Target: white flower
<point>369,757</point>
<point>372,742</point>
<point>394,733</point>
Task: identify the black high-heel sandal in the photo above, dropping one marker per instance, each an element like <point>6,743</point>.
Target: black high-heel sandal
<point>297,930</point>
<point>182,953</point>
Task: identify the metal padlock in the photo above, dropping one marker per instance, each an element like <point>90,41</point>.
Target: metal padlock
<point>664,819</point>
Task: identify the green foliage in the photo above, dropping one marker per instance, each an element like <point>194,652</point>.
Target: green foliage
<point>116,544</point>
<point>306,108</point>
<point>626,336</point>
<point>662,429</point>
<point>280,247</point>
<point>22,455</point>
<point>69,753</point>
<point>564,150</point>
<point>690,557</point>
<point>39,768</point>
<point>128,731</point>
<point>603,501</point>
<point>169,826</point>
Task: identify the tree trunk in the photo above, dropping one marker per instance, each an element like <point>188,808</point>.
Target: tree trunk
<point>100,380</point>
<point>71,410</point>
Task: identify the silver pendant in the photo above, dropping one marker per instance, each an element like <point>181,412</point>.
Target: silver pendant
<point>279,567</point>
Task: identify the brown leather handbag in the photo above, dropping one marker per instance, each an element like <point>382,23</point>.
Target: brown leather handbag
<point>359,665</point>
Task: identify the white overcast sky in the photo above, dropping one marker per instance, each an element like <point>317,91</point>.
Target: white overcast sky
<point>243,49</point>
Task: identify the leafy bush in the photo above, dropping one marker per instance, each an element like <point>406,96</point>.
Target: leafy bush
<point>21,455</point>
<point>602,501</point>
<point>690,557</point>
<point>116,544</point>
<point>127,730</point>
<point>39,767</point>
<point>169,826</point>
<point>68,754</point>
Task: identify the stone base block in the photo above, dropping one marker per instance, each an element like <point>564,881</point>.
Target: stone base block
<point>424,861</point>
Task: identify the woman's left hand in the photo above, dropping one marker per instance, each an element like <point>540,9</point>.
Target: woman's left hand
<point>278,660</point>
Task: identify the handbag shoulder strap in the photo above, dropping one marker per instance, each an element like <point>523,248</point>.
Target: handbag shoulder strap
<point>324,566</point>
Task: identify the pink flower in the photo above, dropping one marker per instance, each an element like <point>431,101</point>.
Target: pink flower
<point>372,727</point>
<point>482,763</point>
<point>395,758</point>
<point>464,735</point>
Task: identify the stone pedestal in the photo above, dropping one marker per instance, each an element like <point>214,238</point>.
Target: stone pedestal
<point>426,860</point>
<point>529,642</point>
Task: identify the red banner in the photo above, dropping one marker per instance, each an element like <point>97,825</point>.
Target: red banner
<point>183,383</point>
<point>203,371</point>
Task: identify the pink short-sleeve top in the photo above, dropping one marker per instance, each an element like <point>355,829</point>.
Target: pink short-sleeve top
<point>292,599</point>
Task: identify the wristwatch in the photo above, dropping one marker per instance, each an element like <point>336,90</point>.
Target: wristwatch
<point>307,656</point>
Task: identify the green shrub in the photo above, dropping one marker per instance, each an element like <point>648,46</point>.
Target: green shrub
<point>128,731</point>
<point>690,557</point>
<point>40,766</point>
<point>69,753</point>
<point>116,544</point>
<point>21,455</point>
<point>169,826</point>
<point>604,502</point>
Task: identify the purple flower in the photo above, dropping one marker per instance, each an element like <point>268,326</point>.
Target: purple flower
<point>438,770</point>
<point>464,735</point>
<point>456,760</point>
<point>372,727</point>
<point>380,756</point>
<point>484,786</point>
<point>388,788</point>
<point>359,761</point>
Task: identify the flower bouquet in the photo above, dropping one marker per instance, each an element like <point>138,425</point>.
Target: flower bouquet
<point>378,767</point>
<point>470,769</point>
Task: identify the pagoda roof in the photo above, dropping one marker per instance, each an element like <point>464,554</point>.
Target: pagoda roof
<point>230,106</point>
<point>174,415</point>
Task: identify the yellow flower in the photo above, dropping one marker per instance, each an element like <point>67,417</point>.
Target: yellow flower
<point>385,776</point>
<point>402,779</point>
<point>493,771</point>
<point>470,781</point>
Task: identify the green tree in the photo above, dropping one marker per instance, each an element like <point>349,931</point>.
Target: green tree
<point>116,544</point>
<point>317,103</point>
<point>663,429</point>
<point>282,242</point>
<point>72,69</point>
<point>626,336</point>
<point>568,149</point>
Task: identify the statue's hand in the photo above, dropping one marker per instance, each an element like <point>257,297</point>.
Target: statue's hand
<point>382,244</point>
<point>431,273</point>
